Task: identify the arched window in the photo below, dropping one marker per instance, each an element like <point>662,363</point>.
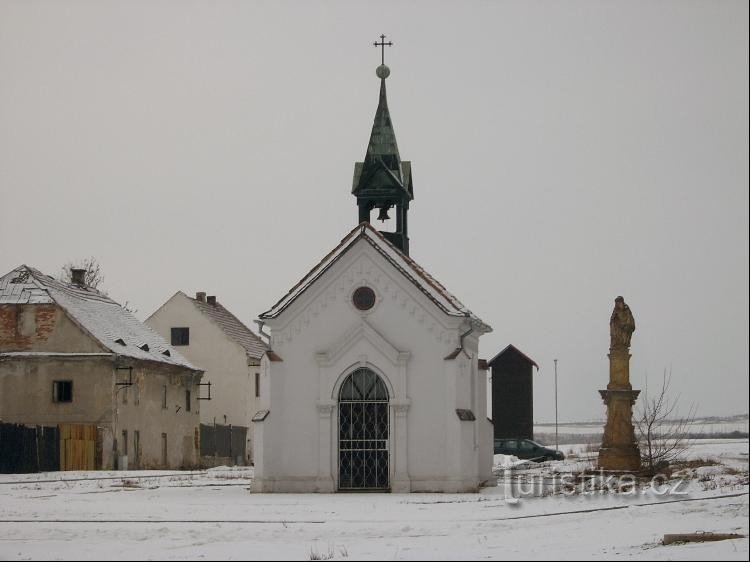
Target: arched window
<point>363,385</point>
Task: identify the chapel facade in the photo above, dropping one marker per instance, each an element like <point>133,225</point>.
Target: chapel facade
<point>372,380</point>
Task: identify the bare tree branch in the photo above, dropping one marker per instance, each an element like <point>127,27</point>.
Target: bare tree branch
<point>93,276</point>
<point>662,436</point>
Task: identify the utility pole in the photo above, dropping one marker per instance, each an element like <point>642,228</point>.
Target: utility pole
<point>557,444</point>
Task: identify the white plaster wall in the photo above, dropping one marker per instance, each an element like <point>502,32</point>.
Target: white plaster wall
<point>321,337</point>
<point>224,361</point>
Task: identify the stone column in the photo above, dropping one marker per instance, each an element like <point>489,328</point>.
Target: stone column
<point>619,450</point>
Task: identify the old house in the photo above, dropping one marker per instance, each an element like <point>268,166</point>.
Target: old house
<point>74,361</point>
<point>512,393</point>
<point>373,380</point>
<point>229,352</point>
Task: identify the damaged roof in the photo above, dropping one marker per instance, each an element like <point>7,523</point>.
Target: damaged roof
<point>105,320</point>
<point>425,282</point>
<point>232,327</point>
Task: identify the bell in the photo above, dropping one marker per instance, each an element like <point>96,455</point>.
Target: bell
<point>383,215</point>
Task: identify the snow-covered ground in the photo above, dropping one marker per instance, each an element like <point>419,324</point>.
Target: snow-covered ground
<point>212,515</point>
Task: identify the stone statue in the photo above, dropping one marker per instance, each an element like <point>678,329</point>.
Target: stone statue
<point>621,325</point>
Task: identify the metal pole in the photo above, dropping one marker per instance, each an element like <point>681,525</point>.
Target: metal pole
<point>557,446</point>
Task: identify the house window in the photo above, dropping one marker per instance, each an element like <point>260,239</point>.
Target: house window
<point>187,400</point>
<point>164,397</point>
<point>62,391</point>
<point>125,395</point>
<point>137,447</point>
<point>124,441</point>
<point>164,450</point>
<point>257,385</point>
<point>180,336</point>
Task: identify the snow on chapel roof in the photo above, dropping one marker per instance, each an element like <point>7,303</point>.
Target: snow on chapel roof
<point>407,266</point>
<point>104,319</point>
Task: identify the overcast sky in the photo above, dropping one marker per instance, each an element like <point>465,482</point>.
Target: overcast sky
<point>563,153</point>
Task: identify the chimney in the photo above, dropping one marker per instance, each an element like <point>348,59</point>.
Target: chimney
<point>212,300</point>
<point>78,276</point>
<point>200,296</point>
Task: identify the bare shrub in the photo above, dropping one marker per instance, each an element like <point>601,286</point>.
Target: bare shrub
<point>662,436</point>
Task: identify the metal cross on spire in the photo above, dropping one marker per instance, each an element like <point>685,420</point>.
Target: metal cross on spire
<point>382,46</point>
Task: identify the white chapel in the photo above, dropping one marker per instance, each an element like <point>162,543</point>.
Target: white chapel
<point>372,380</point>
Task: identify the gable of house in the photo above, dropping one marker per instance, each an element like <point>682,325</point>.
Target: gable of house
<point>83,320</point>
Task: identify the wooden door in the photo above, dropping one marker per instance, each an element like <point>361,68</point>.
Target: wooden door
<point>77,446</point>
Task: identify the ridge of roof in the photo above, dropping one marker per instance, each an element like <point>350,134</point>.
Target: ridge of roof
<point>232,327</point>
<point>102,318</point>
<point>429,286</point>
<point>511,347</point>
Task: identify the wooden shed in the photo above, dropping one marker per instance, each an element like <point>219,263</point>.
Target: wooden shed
<point>512,393</point>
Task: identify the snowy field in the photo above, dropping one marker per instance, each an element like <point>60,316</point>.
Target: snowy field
<point>700,426</point>
<point>212,515</point>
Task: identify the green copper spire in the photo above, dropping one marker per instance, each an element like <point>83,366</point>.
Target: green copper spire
<point>383,180</point>
<point>383,138</point>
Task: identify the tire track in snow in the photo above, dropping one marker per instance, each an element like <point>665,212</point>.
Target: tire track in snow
<point>359,521</point>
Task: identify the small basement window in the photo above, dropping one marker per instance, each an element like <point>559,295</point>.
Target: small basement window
<point>180,336</point>
<point>62,391</point>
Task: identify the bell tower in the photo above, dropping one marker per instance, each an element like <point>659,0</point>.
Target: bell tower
<point>383,181</point>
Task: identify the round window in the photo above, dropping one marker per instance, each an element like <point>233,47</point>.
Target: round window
<point>364,298</point>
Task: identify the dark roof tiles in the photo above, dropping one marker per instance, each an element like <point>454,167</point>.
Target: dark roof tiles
<point>233,327</point>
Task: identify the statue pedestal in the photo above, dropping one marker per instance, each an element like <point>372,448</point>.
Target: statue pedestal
<point>619,450</point>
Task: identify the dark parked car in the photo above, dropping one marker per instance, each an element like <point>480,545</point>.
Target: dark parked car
<point>526,449</point>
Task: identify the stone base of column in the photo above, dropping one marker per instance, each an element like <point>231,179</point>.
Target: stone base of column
<point>619,451</point>
<point>620,459</point>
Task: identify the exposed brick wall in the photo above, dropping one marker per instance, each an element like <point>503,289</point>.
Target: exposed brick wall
<point>23,327</point>
<point>42,327</point>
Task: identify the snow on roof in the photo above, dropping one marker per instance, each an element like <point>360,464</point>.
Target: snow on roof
<point>233,327</point>
<point>104,319</point>
<point>407,266</point>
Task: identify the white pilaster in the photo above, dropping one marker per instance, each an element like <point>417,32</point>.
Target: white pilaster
<point>325,481</point>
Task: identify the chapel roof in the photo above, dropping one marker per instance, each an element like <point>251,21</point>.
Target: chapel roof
<point>415,273</point>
